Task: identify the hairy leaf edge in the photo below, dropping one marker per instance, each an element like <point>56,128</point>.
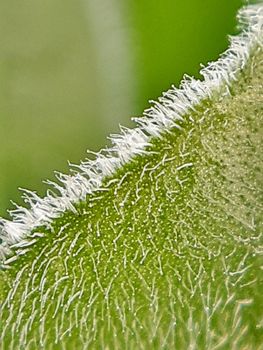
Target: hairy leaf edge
<point>166,113</point>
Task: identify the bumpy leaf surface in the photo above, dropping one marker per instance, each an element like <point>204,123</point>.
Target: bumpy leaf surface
<point>167,254</point>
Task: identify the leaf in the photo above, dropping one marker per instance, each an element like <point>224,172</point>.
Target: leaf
<point>156,243</point>
<point>60,57</point>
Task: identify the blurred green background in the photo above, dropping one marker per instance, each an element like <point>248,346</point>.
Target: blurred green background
<point>71,71</point>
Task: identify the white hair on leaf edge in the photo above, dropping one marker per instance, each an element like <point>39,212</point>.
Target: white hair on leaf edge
<point>165,113</point>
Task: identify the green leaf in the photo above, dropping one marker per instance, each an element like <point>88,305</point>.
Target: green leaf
<point>60,57</point>
<point>156,243</point>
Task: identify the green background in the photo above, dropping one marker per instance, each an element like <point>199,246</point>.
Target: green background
<point>73,70</point>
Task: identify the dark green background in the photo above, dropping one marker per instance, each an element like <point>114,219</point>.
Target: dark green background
<point>73,70</point>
